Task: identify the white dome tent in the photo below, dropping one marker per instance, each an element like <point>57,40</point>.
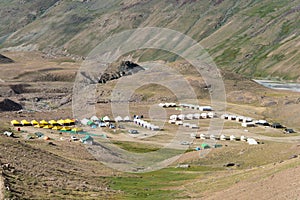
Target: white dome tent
<point>118,119</point>
<point>106,119</point>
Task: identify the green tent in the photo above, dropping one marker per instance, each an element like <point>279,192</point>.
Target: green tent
<point>87,140</point>
<point>90,123</point>
<point>205,146</point>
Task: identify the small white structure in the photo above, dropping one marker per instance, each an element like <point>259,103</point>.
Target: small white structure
<point>262,122</point>
<point>181,116</point>
<point>239,118</point>
<point>202,136</point>
<point>203,115</point>
<point>154,128</point>
<point>167,105</point>
<point>95,118</point>
<point>224,116</point>
<point>243,138</point>
<point>140,122</point>
<point>118,119</point>
<point>205,108</point>
<point>172,121</point>
<point>172,104</point>
<point>179,123</point>
<point>251,141</point>
<point>231,117</point>
<point>192,106</point>
<point>173,117</point>
<point>210,115</point>
<point>197,116</point>
<point>247,119</point>
<point>162,105</point>
<point>183,105</point>
<point>212,137</point>
<point>232,137</point>
<point>106,119</point>
<point>144,124</point>
<point>127,119</point>
<point>194,126</point>
<point>193,135</point>
<point>248,124</point>
<point>189,116</point>
<point>84,121</point>
<point>223,137</point>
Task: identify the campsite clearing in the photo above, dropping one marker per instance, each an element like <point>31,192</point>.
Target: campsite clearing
<point>60,168</point>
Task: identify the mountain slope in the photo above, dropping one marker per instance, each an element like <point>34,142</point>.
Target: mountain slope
<point>251,37</point>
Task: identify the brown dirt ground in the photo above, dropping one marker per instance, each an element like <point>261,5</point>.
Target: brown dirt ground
<point>284,184</point>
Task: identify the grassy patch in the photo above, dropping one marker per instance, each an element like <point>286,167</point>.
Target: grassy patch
<point>136,147</point>
<point>228,56</point>
<point>62,60</point>
<point>266,9</point>
<point>157,184</point>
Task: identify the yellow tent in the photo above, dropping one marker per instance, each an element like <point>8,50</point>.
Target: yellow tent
<point>61,122</point>
<point>24,122</point>
<point>77,129</point>
<point>34,122</point>
<point>15,123</point>
<point>70,121</point>
<point>53,122</point>
<point>39,126</point>
<point>56,128</point>
<point>44,122</point>
<point>48,127</point>
<point>66,128</point>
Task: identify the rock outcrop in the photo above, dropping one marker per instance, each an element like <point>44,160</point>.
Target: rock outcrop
<point>9,105</point>
<point>126,68</point>
<point>5,60</point>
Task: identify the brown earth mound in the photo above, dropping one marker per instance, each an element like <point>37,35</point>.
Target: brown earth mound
<point>4,59</point>
<point>9,105</point>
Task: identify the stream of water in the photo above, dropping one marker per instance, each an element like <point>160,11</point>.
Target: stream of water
<point>277,85</point>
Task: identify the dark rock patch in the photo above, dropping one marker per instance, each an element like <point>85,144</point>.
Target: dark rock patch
<point>126,68</point>
<point>5,60</point>
<point>9,105</point>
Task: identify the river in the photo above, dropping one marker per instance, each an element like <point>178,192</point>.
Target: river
<point>277,85</point>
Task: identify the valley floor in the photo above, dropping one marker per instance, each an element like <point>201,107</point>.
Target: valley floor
<point>60,168</point>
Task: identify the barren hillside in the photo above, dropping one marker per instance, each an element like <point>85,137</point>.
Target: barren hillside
<point>254,38</point>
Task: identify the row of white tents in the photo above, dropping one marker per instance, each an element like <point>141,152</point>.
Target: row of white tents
<point>185,105</point>
<point>167,105</point>
<point>123,119</point>
<point>188,125</point>
<point>145,124</point>
<point>105,119</point>
<point>245,121</point>
<point>250,141</point>
<point>196,107</point>
<point>192,116</point>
